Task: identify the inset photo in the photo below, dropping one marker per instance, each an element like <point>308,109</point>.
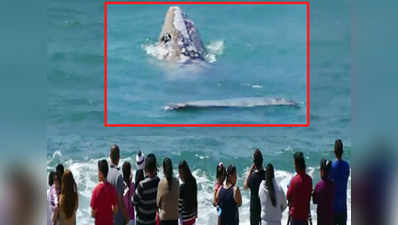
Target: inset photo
<point>204,65</point>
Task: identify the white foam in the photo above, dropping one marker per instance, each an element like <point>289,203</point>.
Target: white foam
<point>214,49</point>
<point>257,86</point>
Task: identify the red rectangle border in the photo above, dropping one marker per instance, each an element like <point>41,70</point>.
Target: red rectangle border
<point>307,124</point>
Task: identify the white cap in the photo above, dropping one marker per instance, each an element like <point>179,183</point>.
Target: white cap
<point>139,160</point>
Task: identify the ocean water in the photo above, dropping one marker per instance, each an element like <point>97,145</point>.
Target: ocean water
<point>261,59</point>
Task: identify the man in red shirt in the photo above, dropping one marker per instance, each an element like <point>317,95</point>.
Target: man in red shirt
<point>299,192</point>
<point>104,198</point>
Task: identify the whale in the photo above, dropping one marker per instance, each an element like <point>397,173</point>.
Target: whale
<point>179,39</point>
<point>247,102</point>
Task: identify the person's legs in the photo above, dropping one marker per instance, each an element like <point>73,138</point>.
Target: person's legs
<point>169,222</point>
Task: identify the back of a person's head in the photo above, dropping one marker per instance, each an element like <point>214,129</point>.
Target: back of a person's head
<point>326,165</point>
<point>126,169</point>
<point>299,160</point>
<point>103,167</point>
<point>231,170</point>
<point>115,154</point>
<point>60,170</point>
<point>338,148</point>
<point>151,164</point>
<point>51,178</point>
<point>258,159</point>
<point>68,194</point>
<point>168,171</point>
<point>221,172</point>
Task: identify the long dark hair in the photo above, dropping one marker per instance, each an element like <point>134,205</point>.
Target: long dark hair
<point>190,197</point>
<point>126,169</point>
<point>220,172</point>
<point>168,171</point>
<point>231,170</point>
<point>269,177</point>
<point>68,197</point>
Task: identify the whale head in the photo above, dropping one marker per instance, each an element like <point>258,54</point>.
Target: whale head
<point>179,38</point>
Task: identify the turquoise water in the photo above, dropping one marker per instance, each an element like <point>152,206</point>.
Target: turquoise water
<point>250,62</point>
<point>260,51</point>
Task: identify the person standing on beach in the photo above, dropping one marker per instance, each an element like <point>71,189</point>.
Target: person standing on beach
<point>253,180</point>
<point>68,201</point>
<point>116,179</point>
<point>139,163</point>
<point>167,197</point>
<point>188,201</point>
<point>104,199</point>
<point>54,192</point>
<point>323,195</point>
<point>128,192</point>
<point>50,197</point>
<point>299,192</point>
<point>339,173</point>
<point>272,199</point>
<point>229,198</point>
<point>220,177</point>
<point>145,194</point>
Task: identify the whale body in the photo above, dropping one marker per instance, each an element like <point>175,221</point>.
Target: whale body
<point>179,39</point>
<point>232,103</point>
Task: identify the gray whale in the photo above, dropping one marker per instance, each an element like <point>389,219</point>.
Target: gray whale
<point>232,103</point>
<point>179,39</point>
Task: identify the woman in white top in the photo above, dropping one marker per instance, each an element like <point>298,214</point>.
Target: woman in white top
<point>272,199</point>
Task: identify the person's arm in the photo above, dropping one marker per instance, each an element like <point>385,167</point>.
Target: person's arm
<point>120,186</point>
<point>137,195</point>
<point>315,195</point>
<point>237,196</point>
<point>92,203</point>
<point>217,197</point>
<point>246,184</point>
<point>283,199</point>
<point>214,197</point>
<point>290,190</point>
<point>159,195</point>
<point>55,215</point>
<point>115,202</point>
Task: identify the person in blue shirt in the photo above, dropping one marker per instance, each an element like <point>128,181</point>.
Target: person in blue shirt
<point>339,173</point>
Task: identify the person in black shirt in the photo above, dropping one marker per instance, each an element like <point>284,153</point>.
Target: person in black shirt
<point>253,180</point>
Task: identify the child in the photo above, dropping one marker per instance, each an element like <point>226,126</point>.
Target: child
<point>220,177</point>
<point>104,198</point>
<point>323,195</point>
<point>128,192</point>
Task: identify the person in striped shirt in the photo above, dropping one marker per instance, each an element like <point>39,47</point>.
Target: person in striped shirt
<point>188,201</point>
<point>146,192</point>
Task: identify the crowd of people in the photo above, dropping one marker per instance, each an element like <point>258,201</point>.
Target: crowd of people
<point>149,200</point>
